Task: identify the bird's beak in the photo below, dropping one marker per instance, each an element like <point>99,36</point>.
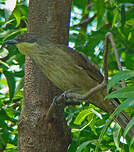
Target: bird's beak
<point>10,42</point>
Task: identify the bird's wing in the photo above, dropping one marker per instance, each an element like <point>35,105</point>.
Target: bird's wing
<point>83,61</point>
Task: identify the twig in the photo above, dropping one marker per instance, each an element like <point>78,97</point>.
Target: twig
<point>105,63</point>
<point>86,21</point>
<point>109,35</point>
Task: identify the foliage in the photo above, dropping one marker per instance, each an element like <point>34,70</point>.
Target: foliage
<point>116,17</point>
<point>12,23</point>
<point>87,121</point>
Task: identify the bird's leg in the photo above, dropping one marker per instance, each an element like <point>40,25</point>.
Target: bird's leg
<point>85,96</point>
<point>52,108</point>
<point>62,98</point>
<point>69,100</point>
<point>70,95</point>
<point>64,94</point>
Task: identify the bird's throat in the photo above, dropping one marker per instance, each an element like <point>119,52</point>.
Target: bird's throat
<point>26,48</point>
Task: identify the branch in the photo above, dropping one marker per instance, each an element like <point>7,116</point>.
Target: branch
<point>109,36</point>
<point>86,21</point>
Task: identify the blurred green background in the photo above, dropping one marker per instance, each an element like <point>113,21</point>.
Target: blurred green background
<point>90,21</point>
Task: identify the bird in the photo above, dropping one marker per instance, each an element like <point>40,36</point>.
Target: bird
<point>67,68</point>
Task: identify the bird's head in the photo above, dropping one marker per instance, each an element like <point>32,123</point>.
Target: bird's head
<point>25,42</point>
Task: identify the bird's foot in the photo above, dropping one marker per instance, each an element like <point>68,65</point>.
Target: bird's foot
<point>64,95</point>
<point>69,100</point>
<point>62,99</point>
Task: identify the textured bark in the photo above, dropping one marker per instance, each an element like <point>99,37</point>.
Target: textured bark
<point>50,18</point>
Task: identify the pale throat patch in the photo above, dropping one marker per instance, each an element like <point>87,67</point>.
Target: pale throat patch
<point>26,48</point>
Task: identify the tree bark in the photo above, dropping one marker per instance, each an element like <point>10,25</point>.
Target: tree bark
<point>49,18</point>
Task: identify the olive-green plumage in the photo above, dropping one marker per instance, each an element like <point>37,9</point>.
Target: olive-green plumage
<point>66,68</point>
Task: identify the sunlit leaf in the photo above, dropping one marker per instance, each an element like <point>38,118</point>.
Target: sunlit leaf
<point>82,146</point>
<point>116,133</point>
<point>127,103</point>
<point>132,141</point>
<point>24,10</point>
<point>122,75</point>
<point>130,124</point>
<point>129,36</point>
<point>96,113</point>
<point>127,92</point>
<point>115,17</point>
<point>17,15</point>
<point>4,65</point>
<point>107,124</point>
<point>81,116</point>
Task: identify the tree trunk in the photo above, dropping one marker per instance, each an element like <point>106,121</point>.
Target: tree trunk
<point>50,18</point>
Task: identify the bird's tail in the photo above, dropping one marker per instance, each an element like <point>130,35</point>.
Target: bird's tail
<point>123,119</point>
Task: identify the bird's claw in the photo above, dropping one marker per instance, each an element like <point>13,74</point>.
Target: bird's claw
<point>64,94</point>
<point>55,100</point>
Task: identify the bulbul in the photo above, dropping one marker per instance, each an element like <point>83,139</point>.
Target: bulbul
<point>66,69</point>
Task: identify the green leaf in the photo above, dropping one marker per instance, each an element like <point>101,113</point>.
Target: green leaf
<point>122,75</point>
<point>127,103</point>
<point>104,130</point>
<point>116,133</point>
<point>129,36</point>
<point>19,74</point>
<point>24,10</point>
<point>4,65</point>
<point>127,92</point>
<point>3,124</point>
<point>100,8</point>
<point>4,116</point>
<point>80,3</point>
<point>81,116</point>
<point>96,113</point>
<point>130,22</point>
<point>132,141</point>
<point>130,124</point>
<point>19,85</point>
<point>82,146</point>
<point>11,83</point>
<point>17,15</point>
<point>116,12</point>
